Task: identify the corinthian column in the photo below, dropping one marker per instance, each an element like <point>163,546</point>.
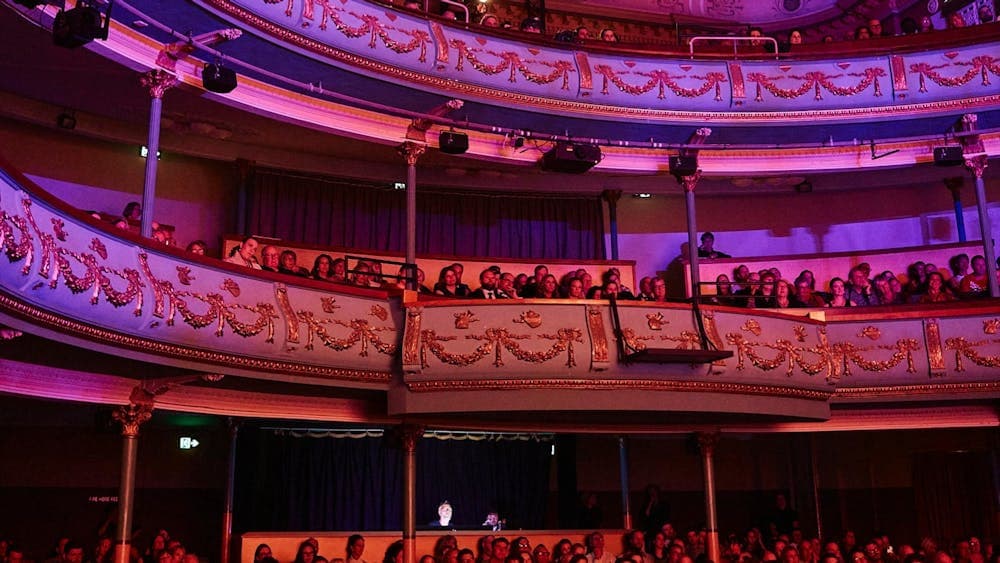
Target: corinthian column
<point>130,417</point>
<point>158,81</point>
<point>411,152</point>
<point>975,160</point>
<point>410,435</point>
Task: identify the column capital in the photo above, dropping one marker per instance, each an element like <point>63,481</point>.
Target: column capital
<point>689,183</point>
<point>611,196</point>
<point>411,151</point>
<point>409,435</point>
<point>976,164</point>
<point>158,81</point>
<point>707,441</point>
<point>131,417</point>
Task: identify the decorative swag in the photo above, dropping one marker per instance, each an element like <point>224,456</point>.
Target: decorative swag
<point>365,215</point>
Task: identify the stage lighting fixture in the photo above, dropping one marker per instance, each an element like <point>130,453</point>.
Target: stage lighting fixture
<point>451,142</point>
<point>574,158</point>
<point>80,25</point>
<point>950,155</point>
<point>219,79</point>
<point>683,165</point>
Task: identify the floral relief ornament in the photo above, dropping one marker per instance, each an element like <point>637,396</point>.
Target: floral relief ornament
<point>531,318</point>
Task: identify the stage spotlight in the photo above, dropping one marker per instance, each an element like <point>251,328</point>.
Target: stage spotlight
<point>574,158</point>
<point>451,142</point>
<point>66,120</point>
<point>948,156</point>
<point>683,165</point>
<point>219,79</point>
<point>80,25</point>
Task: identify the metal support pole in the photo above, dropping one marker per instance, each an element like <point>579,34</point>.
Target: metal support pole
<point>707,442</point>
<point>689,183</point>
<point>130,417</point>
<point>158,82</point>
<point>410,435</point>
<point>612,197</point>
<point>954,185</point>
<point>986,231</point>
<point>411,152</point>
<point>623,471</point>
<point>227,515</point>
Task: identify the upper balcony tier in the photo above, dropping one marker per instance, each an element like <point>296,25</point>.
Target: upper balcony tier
<point>366,70</point>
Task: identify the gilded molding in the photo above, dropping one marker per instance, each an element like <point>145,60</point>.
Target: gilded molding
<point>613,384</point>
<point>872,392</point>
<point>599,360</point>
<point>935,353</point>
<point>44,318</point>
<point>131,418</point>
<point>411,340</point>
<point>505,97</point>
<point>712,330</point>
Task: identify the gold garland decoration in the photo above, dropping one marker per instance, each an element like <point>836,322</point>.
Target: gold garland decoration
<point>361,332</point>
<point>494,341</point>
<point>815,81</point>
<point>982,65</point>
<point>663,80</point>
<point>512,62</point>
<point>964,348</point>
<point>16,251</point>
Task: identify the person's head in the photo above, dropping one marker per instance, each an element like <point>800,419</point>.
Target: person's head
<point>783,289</point>
<point>859,278</point>
<point>459,269</point>
<point>449,14</point>
<point>608,35</point>
<point>722,285</point>
<point>322,266</point>
<point>489,20</point>
<point>978,265</point>
<point>828,38</point>
<point>875,26</point>
<point>741,273</point>
<point>306,552</point>
<point>955,20</point>
<point>132,211</point>
<point>448,276</point>
<point>548,286</point>
<point>862,32</point>
<point>985,13</point>
<point>610,288</point>
<point>488,279</point>
<point>506,283</point>
<point>500,548</point>
<point>582,33</point>
<point>795,37</point>
<point>269,257</point>
<point>466,556</point>
<point>521,545</point>
<point>412,5</point>
<point>263,550</point>
<point>288,260</point>
<point>197,247</point>
<point>531,25</point>
<point>755,32</point>
<point>659,289</point>
<point>445,512</point>
<point>248,249</point>
<point>707,241</point>
<point>790,555</point>
<point>636,540</point>
<point>541,554</point>
<point>394,553</point>
<point>355,546</point>
<point>767,284</point>
<point>576,289</point>
<point>926,24</point>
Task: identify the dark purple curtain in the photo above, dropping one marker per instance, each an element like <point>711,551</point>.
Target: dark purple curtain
<point>361,215</point>
<point>288,482</point>
<point>954,495</point>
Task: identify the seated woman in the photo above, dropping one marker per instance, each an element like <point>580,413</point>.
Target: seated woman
<point>838,294</point>
<point>575,289</point>
<point>548,288</point>
<point>338,270</point>
<point>288,264</point>
<point>322,268</point>
<point>883,290</point>
<point>659,290</point>
<point>937,290</point>
<point>784,296</point>
<point>723,291</point>
<point>363,276</point>
<point>448,285</point>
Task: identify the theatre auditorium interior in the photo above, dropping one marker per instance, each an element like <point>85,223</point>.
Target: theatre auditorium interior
<point>499,281</point>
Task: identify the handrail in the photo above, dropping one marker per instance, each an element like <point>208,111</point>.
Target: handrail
<point>735,40</point>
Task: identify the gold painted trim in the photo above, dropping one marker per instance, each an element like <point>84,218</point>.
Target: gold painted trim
<point>591,109</point>
<point>935,352</point>
<point>598,338</point>
<point>615,384</point>
<point>44,318</point>
<point>905,390</point>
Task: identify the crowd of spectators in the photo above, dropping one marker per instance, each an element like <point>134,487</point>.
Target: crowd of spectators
<point>162,549</point>
<point>922,283</point>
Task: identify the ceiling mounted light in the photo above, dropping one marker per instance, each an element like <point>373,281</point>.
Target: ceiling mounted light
<point>219,79</point>
<point>81,25</point>
<point>451,142</point>
<point>574,158</point>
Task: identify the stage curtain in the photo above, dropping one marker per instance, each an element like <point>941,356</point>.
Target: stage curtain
<point>288,481</point>
<point>953,497</point>
<point>363,215</point>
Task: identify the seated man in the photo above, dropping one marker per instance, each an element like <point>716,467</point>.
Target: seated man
<point>707,248</point>
<point>269,258</point>
<point>488,287</point>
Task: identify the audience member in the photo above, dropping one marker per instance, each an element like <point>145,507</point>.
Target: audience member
<point>608,35</point>
<point>488,287</point>
<point>288,264</point>
<point>448,284</point>
<point>245,254</point>
<point>977,283</point>
<point>707,248</point>
<point>489,20</point>
<point>197,247</point>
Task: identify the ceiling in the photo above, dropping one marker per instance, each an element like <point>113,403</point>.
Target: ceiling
<point>39,80</point>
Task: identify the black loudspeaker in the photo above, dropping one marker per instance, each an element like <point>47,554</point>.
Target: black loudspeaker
<point>76,27</point>
<point>451,142</point>
<point>681,165</point>
<point>948,156</point>
<point>571,157</point>
<point>217,78</point>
